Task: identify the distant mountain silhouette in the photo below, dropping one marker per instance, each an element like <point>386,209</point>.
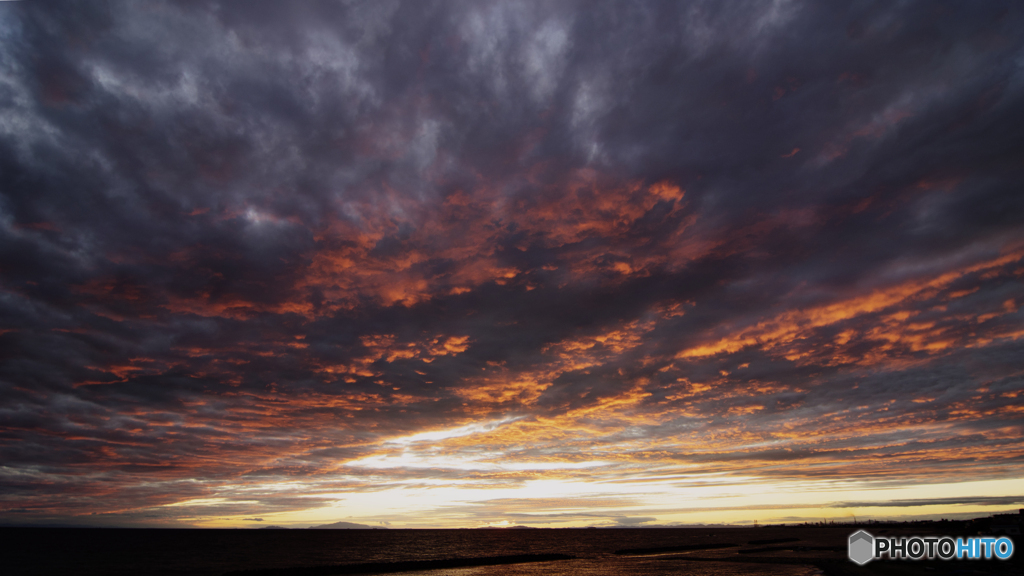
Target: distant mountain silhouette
<point>507,527</point>
<point>345,526</point>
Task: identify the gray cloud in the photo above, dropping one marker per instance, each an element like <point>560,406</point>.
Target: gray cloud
<point>249,241</point>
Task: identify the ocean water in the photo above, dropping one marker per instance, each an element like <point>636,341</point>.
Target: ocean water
<point>114,552</point>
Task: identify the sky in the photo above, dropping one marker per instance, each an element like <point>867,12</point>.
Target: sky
<point>462,264</point>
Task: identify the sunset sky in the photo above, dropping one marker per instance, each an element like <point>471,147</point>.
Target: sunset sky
<point>457,264</point>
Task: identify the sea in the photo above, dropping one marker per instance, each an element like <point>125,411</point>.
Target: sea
<point>196,552</point>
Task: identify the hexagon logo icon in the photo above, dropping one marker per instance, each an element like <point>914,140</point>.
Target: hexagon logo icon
<point>861,548</point>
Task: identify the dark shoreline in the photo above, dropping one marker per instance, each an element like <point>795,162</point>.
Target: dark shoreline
<point>221,552</point>
<point>404,566</point>
<point>683,548</point>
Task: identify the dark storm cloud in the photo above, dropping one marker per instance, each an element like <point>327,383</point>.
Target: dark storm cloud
<point>254,240</point>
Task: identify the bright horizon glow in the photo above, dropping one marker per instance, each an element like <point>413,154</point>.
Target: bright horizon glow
<point>640,500</point>
<point>540,503</point>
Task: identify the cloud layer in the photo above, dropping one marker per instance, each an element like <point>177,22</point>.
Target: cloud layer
<point>261,258</point>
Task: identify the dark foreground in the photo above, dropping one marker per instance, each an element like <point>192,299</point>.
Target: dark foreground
<point>402,566</point>
<point>768,551</point>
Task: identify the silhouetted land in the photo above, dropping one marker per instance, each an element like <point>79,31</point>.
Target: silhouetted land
<point>684,548</point>
<point>773,541</point>
<point>408,566</point>
<point>626,551</point>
